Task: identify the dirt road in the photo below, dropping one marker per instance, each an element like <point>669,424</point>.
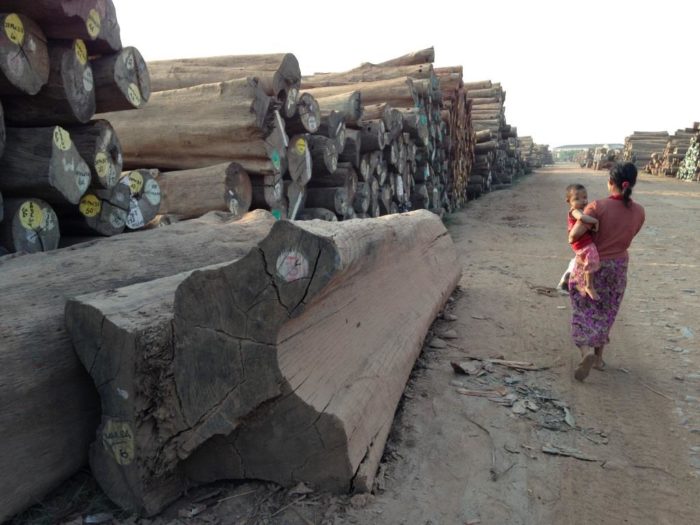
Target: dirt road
<point>459,459</point>
<point>639,420</point>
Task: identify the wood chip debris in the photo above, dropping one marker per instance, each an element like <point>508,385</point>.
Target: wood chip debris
<point>559,450</point>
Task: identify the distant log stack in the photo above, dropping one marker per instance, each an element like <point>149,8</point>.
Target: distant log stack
<point>640,146</point>
<point>668,162</point>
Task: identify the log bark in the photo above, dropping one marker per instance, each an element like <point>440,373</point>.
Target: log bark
<point>333,127</point>
<point>366,73</point>
<point>422,56</point>
<point>344,176</point>
<point>279,74</point>
<point>352,152</point>
<point>334,199</point>
<point>348,104</point>
<point>268,192</point>
<point>68,97</point>
<point>221,122</point>
<point>49,408</point>
<point>372,135</point>
<point>324,154</point>
<point>361,201</point>
<point>398,92</point>
<point>145,196</point>
<point>94,21</point>
<point>44,163</point>
<point>296,198</point>
<point>24,56</point>
<point>99,147</point>
<point>122,81</point>
<point>309,214</point>
<point>191,193</point>
<point>29,226</point>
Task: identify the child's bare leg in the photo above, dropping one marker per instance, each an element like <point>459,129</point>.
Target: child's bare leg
<point>590,291</point>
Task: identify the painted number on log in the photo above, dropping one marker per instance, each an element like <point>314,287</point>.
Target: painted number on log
<point>14,29</point>
<point>30,215</point>
<point>80,51</point>
<point>292,266</point>
<point>152,192</point>
<point>104,168</point>
<point>88,82</point>
<point>300,146</point>
<point>61,138</point>
<point>275,158</point>
<point>133,93</point>
<point>135,181</point>
<point>90,205</point>
<point>93,24</point>
<point>118,439</point>
<point>134,219</point>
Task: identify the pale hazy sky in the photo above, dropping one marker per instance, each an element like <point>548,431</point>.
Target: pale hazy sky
<point>573,71</point>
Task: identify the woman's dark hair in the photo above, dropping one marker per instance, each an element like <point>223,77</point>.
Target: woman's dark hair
<point>624,177</point>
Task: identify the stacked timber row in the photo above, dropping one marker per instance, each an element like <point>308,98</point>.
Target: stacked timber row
<point>689,168</point>
<point>641,145</point>
<point>61,61</point>
<point>668,162</point>
<point>497,156</point>
<point>604,157</point>
<point>535,155</point>
<point>399,141</point>
<point>223,374</point>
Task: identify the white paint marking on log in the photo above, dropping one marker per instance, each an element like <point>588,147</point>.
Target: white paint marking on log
<point>292,266</point>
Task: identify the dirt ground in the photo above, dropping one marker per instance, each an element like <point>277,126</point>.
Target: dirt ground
<point>634,429</point>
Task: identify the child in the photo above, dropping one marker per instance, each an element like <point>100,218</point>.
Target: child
<point>586,252</point>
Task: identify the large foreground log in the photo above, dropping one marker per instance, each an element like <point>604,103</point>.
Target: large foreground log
<point>48,406</point>
<point>24,57</point>
<point>198,127</point>
<point>240,355</point>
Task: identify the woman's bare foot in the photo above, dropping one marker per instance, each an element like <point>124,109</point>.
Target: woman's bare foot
<point>599,364</point>
<point>590,292</point>
<point>584,367</point>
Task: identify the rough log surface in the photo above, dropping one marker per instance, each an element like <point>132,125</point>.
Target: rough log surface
<point>240,354</point>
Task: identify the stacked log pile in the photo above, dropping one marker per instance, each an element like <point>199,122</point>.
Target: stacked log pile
<point>61,61</point>
<point>302,367</point>
<point>668,162</point>
<point>534,155</point>
<point>425,157</point>
<point>604,158</point>
<point>640,146</point>
<point>689,168</point>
